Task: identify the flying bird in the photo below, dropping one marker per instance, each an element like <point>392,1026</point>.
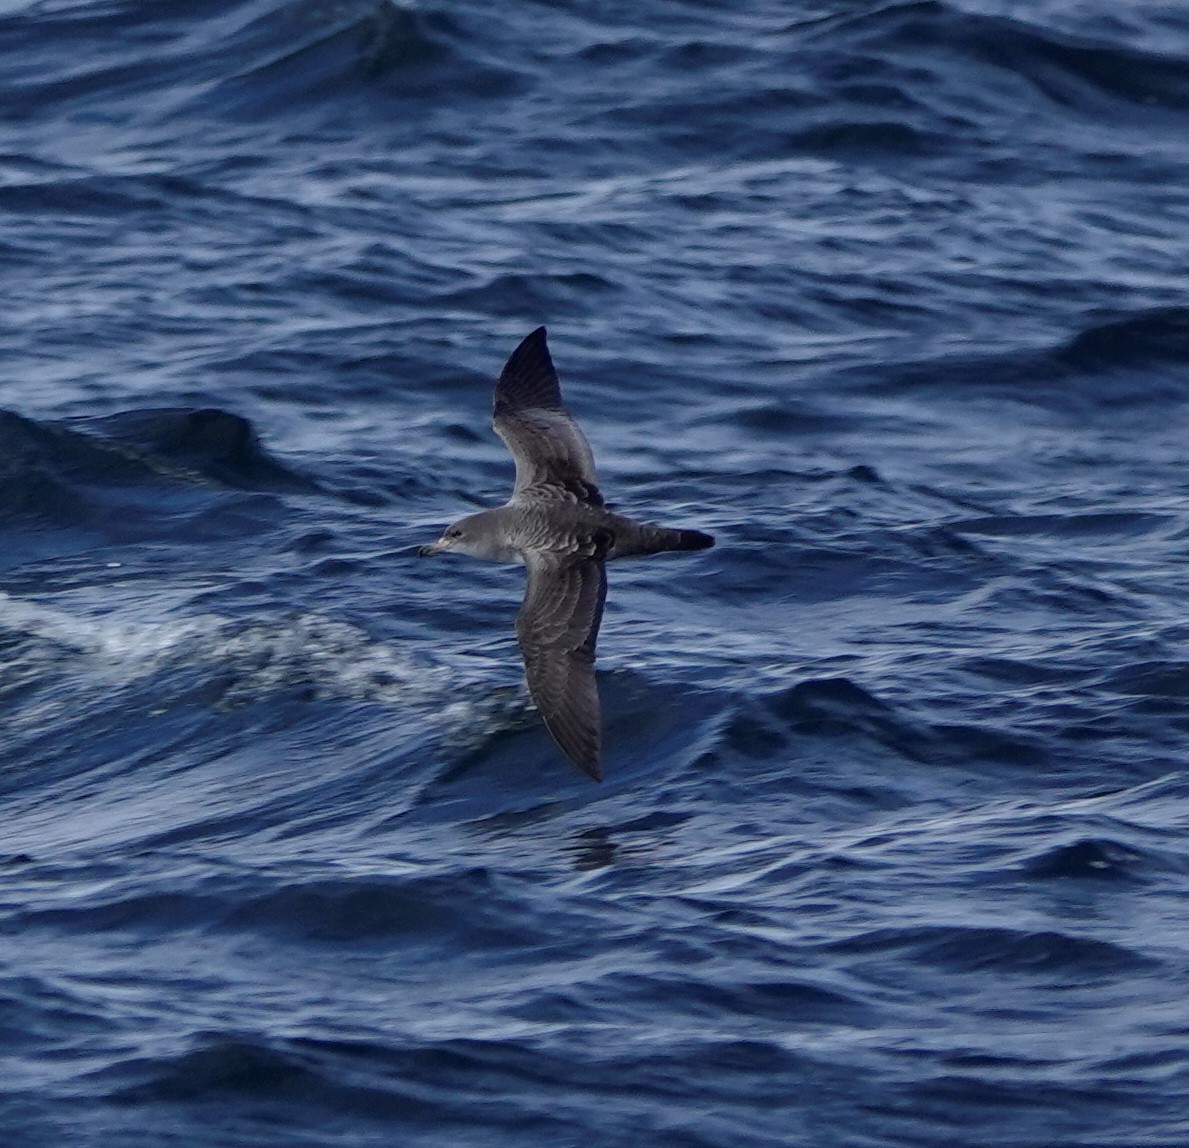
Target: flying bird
<point>557,525</point>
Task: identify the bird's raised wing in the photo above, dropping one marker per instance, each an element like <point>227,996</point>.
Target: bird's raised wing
<point>557,628</point>
<point>553,458</point>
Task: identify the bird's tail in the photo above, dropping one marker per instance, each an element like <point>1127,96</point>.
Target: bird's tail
<point>691,540</point>
<point>649,539</point>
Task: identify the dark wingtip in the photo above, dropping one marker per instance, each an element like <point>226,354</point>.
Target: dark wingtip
<point>528,379</point>
<point>585,756</point>
<point>581,749</point>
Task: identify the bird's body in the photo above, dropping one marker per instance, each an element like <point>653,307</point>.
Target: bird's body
<point>564,530</point>
<point>557,526</point>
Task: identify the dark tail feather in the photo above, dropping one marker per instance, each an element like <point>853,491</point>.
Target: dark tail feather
<point>644,538</point>
<point>692,540</point>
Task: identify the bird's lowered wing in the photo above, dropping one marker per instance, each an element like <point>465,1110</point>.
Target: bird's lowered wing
<point>553,458</point>
<point>557,627</point>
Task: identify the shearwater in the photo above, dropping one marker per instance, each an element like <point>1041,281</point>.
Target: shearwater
<point>557,525</point>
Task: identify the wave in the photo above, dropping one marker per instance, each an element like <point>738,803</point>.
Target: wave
<point>237,58</point>
<point>1096,858</point>
<point>225,662</point>
<point>1134,362</point>
<point>964,948</point>
<point>300,53</point>
<point>1149,337</point>
<point>783,726</point>
<point>74,473</point>
<point>1081,72</point>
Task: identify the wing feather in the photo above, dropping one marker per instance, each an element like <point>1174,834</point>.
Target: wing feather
<point>553,458</point>
<point>557,627</point>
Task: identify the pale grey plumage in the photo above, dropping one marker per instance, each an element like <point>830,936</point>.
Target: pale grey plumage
<point>556,524</point>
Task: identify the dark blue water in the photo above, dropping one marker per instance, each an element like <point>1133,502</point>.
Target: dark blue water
<point>891,297</point>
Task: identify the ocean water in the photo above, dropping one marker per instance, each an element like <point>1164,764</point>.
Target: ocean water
<point>892,297</point>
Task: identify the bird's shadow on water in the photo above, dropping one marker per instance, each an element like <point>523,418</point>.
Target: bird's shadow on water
<point>517,783</point>
<point>593,848</point>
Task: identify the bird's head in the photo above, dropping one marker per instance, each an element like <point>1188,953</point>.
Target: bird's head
<point>466,536</point>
